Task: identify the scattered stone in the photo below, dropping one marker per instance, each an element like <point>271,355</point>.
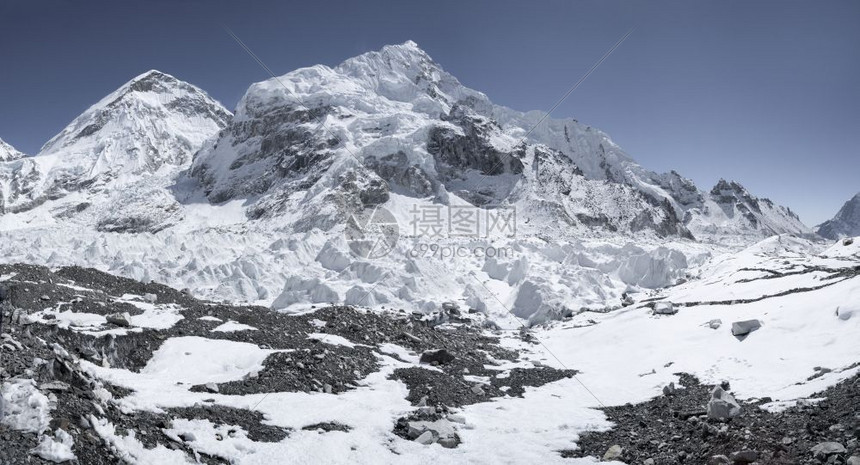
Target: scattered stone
<point>426,438</point>
<point>211,387</point>
<point>57,386</point>
<point>846,312</point>
<point>665,308</point>
<point>744,456</point>
<point>743,328</point>
<point>722,405</point>
<point>669,390</point>
<point>826,449</point>
<point>719,460</point>
<point>440,357</point>
<point>45,297</point>
<point>613,453</point>
<point>151,298</point>
<point>715,324</point>
<point>120,319</point>
<point>478,390</point>
<point>648,462</point>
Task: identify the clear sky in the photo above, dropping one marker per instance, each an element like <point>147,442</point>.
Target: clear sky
<point>766,93</point>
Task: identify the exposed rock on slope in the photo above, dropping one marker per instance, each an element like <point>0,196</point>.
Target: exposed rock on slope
<point>845,223</point>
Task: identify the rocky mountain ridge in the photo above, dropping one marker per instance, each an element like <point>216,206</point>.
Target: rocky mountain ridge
<point>846,223</point>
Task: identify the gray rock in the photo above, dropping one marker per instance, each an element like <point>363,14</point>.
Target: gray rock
<point>669,390</point>
<point>825,449</point>
<point>719,460</point>
<point>151,298</point>
<point>426,438</point>
<point>440,356</point>
<point>613,453</point>
<point>743,328</point>
<point>648,462</point>
<point>853,460</point>
<point>119,319</point>
<point>722,405</point>
<point>665,308</point>
<point>449,442</point>
<point>211,387</point>
<point>478,390</point>
<point>57,386</point>
<point>715,324</point>
<point>744,456</point>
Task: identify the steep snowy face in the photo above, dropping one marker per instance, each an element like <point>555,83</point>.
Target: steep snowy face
<point>9,153</point>
<point>153,122</point>
<point>730,210</point>
<point>845,223</point>
<point>321,141</point>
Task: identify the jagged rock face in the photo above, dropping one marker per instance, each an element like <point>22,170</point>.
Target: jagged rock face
<point>8,153</point>
<point>152,125</point>
<point>845,223</point>
<point>730,209</point>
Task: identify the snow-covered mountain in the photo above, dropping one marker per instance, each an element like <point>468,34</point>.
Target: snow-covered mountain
<point>320,141</point>
<point>9,153</point>
<point>729,210</point>
<point>845,223</point>
<point>262,211</point>
<point>150,126</point>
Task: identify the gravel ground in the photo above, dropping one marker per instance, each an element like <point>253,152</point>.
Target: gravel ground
<point>674,429</point>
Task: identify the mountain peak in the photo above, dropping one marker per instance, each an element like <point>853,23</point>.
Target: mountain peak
<point>9,153</point>
<point>845,223</point>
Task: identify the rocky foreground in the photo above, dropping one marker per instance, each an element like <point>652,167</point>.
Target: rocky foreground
<point>58,325</point>
<point>66,332</point>
<point>688,425</point>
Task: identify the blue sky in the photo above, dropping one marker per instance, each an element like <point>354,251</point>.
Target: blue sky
<point>765,93</point>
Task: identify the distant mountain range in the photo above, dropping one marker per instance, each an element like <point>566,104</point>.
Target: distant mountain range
<point>159,167</point>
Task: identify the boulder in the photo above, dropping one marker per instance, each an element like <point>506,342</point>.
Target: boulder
<point>211,387</point>
<point>613,453</point>
<point>715,324</point>
<point>853,460</point>
<point>120,319</point>
<point>665,308</point>
<point>151,298</point>
<point>744,456</point>
<point>845,312</point>
<point>743,328</point>
<point>719,460</point>
<point>825,449</point>
<point>440,356</point>
<point>669,390</point>
<point>722,405</point>
<point>426,438</point>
